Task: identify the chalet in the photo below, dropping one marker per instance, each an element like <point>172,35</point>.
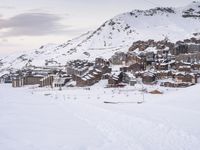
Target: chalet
<point>71,70</point>
<point>18,81</point>
<point>148,78</point>
<point>129,79</point>
<point>59,81</point>
<point>164,74</point>
<point>124,69</point>
<point>196,66</point>
<point>150,57</point>
<point>192,78</point>
<point>101,62</point>
<point>180,48</point>
<point>97,74</point>
<point>1,80</point>
<point>118,58</point>
<point>47,81</point>
<point>186,77</point>
<point>165,65</point>
<point>184,68</point>
<point>103,69</point>
<point>21,80</point>
<point>105,76</point>
<point>93,75</point>
<point>135,67</point>
<point>198,78</point>
<point>133,58</point>
<point>115,78</point>
<point>139,74</point>
<point>163,52</point>
<point>78,67</point>
<point>89,79</point>
<point>6,78</point>
<point>193,48</point>
<point>140,45</point>
<point>179,77</point>
<point>162,66</point>
<point>132,68</point>
<point>168,84</point>
<point>80,81</point>
<point>189,57</point>
<point>133,82</point>
<point>172,64</point>
<point>75,77</point>
<point>176,84</point>
<point>171,57</point>
<point>181,63</point>
<point>32,79</point>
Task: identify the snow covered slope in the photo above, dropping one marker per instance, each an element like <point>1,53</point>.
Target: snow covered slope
<point>116,34</point>
<point>34,119</point>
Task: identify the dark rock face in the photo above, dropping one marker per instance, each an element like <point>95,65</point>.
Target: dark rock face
<point>151,12</point>
<point>192,12</point>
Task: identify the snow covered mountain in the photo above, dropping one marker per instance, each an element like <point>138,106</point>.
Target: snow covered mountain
<point>116,34</point>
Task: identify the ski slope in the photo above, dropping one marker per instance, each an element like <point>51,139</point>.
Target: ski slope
<point>77,119</point>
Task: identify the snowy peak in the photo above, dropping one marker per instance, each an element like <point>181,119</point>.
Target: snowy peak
<point>192,10</point>
<point>152,12</point>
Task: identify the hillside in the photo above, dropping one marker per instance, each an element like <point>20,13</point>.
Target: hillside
<point>116,34</point>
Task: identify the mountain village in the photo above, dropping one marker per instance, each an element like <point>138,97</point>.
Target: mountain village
<point>148,62</point>
<point>119,51</point>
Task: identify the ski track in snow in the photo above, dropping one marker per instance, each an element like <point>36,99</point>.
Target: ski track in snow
<point>129,131</point>
<point>32,121</point>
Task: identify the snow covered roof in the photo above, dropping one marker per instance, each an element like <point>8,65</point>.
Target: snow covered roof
<point>38,75</point>
<point>149,74</point>
<point>130,75</point>
<point>97,70</point>
<point>95,73</point>
<point>87,77</point>
<point>115,78</point>
<point>59,80</point>
<point>180,73</point>
<point>91,76</point>
<point>181,67</point>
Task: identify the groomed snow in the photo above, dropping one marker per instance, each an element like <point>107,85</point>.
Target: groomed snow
<point>77,119</point>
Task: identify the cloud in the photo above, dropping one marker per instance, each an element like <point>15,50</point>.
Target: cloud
<point>32,24</point>
<point>7,7</point>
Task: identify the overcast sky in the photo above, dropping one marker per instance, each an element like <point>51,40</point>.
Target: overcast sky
<point>28,24</point>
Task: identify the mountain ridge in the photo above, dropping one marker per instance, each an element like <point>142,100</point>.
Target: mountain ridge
<point>116,34</point>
